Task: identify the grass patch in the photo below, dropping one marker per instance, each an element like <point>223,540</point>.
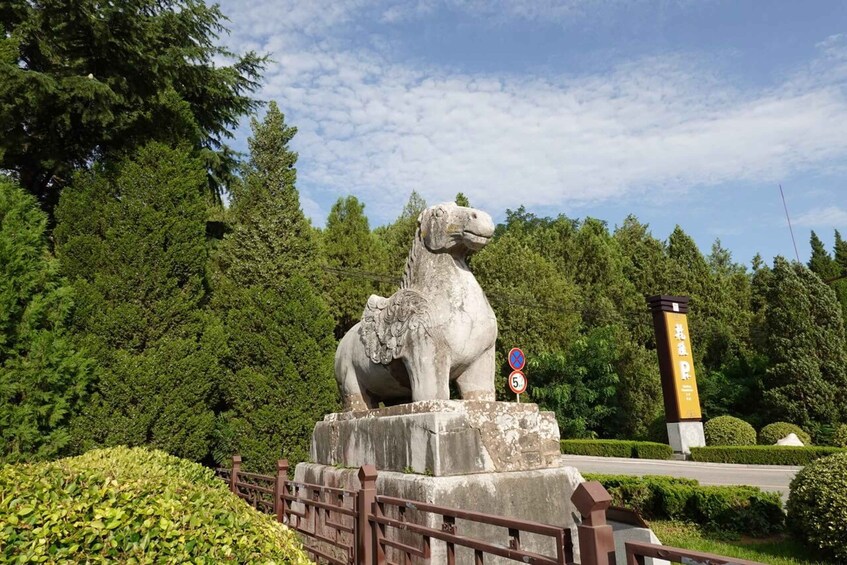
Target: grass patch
<point>779,549</point>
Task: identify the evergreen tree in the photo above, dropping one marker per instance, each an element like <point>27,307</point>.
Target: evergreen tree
<point>348,245</point>
<point>131,238</point>
<point>806,379</point>
<point>43,379</point>
<point>462,200</point>
<point>81,79</point>
<point>271,239</point>
<point>279,354</point>
<point>840,285</point>
<point>821,262</point>
<point>397,237</point>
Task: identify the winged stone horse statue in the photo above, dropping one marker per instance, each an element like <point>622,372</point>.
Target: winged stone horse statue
<point>439,327</point>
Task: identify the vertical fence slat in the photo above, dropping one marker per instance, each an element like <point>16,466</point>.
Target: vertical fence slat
<point>233,478</point>
<point>279,489</point>
<point>368,547</point>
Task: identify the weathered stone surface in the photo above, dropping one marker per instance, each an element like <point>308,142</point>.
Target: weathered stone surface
<point>439,327</point>
<point>440,438</point>
<point>790,439</point>
<point>682,436</point>
<point>540,496</point>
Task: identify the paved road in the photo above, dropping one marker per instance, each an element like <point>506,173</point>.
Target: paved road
<point>768,477</point>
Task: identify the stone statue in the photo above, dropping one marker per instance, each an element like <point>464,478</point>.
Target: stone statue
<point>439,327</point>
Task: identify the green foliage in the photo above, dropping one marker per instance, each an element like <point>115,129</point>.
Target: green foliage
<point>579,385</point>
<point>817,505</point>
<point>772,433</point>
<point>397,237</point>
<point>804,340</point>
<point>617,448</point>
<point>728,430</point>
<point>839,438</point>
<point>131,238</point>
<point>279,331</point>
<point>132,505</point>
<point>81,79</point>
<point>44,379</point>
<point>462,200</point>
<point>742,509</point>
<point>348,245</point>
<point>761,454</point>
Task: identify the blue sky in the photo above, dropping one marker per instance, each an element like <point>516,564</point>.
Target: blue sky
<point>679,112</point>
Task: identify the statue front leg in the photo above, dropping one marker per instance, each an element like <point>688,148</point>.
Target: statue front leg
<point>477,381</point>
<point>429,369</point>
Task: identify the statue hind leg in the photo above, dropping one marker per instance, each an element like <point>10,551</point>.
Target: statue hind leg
<point>477,381</point>
<point>354,396</point>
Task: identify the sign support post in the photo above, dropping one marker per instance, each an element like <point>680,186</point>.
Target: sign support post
<point>676,366</point>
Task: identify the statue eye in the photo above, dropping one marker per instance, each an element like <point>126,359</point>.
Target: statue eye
<point>439,212</point>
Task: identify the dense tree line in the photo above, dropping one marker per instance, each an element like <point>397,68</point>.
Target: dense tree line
<point>135,308</point>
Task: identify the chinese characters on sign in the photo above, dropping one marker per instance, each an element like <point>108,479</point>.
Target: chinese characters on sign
<point>685,383</point>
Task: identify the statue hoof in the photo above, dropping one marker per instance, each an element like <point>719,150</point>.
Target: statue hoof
<point>355,403</point>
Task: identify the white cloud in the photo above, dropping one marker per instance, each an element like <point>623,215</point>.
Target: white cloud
<point>381,128</point>
<point>824,217</point>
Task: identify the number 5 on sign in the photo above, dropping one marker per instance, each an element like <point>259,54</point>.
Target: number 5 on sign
<point>517,382</point>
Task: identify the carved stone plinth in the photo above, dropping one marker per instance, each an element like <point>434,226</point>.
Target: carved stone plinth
<point>440,438</point>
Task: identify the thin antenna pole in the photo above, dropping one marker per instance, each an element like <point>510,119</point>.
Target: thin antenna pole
<point>789,223</point>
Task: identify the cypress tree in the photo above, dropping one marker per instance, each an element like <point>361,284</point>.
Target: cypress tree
<point>280,346</point>
<point>349,245</point>
<point>398,236</point>
<point>43,378</point>
<point>804,338</point>
<point>131,238</point>
<point>820,261</point>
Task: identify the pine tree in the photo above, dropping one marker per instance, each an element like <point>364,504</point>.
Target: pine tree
<point>81,79</point>
<point>349,246</point>
<point>280,346</point>
<point>804,339</point>
<point>840,285</point>
<point>44,380</point>
<point>462,200</point>
<point>131,238</point>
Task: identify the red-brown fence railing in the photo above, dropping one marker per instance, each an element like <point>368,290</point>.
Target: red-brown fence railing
<point>359,527</point>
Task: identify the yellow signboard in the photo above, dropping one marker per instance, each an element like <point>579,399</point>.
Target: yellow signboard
<point>684,379</point>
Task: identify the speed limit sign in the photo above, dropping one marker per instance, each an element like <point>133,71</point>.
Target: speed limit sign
<point>517,382</point>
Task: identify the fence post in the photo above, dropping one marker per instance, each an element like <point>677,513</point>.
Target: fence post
<point>366,499</point>
<point>233,477</point>
<point>279,489</point>
<point>596,541</point>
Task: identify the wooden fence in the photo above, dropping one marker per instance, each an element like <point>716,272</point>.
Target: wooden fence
<point>360,527</point>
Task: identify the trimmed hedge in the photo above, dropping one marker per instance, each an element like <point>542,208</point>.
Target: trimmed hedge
<point>132,505</point>
<point>762,454</point>
<point>729,430</point>
<point>772,433</point>
<point>839,438</point>
<point>817,506</point>
<point>617,448</point>
<point>741,509</point>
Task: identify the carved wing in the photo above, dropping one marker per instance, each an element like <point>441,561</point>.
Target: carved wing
<point>386,321</point>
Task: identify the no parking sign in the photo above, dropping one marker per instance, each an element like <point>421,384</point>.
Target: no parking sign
<point>517,380</point>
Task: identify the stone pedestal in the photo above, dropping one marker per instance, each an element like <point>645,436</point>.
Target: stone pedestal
<point>682,436</point>
<point>440,438</point>
<point>542,495</point>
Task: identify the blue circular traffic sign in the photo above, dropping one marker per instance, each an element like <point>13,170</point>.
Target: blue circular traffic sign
<point>517,360</point>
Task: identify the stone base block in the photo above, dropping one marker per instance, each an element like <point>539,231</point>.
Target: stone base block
<point>538,495</point>
<point>440,438</point>
<point>682,436</point>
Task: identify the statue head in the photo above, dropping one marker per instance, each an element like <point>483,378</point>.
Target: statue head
<point>449,228</point>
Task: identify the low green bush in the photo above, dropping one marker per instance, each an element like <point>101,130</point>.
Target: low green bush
<point>762,454</point>
<point>772,433</point>
<point>729,430</point>
<point>817,506</point>
<point>740,509</point>
<point>839,438</point>
<point>616,448</point>
<point>132,505</point>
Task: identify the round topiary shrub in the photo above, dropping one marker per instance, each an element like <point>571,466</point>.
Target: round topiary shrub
<point>839,438</point>
<point>728,430</point>
<point>132,505</point>
<point>817,506</point>
<point>772,433</point>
